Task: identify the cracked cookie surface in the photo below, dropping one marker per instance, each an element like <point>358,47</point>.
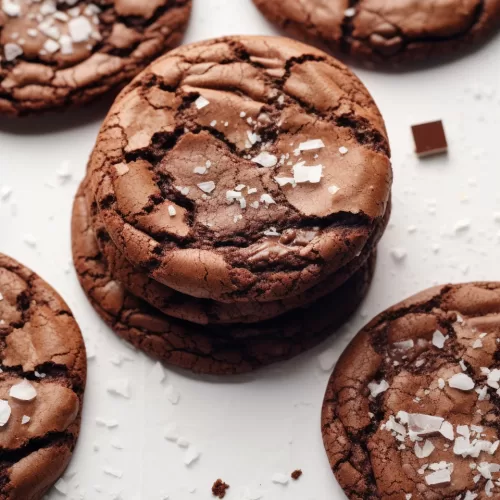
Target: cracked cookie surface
<point>57,53</point>
<point>213,349</point>
<point>206,311</point>
<point>42,381</point>
<point>242,169</point>
<point>412,408</point>
<point>388,31</point>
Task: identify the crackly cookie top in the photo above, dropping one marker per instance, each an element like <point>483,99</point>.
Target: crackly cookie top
<point>412,409</point>
<point>54,52</point>
<point>42,379</point>
<point>384,30</point>
<point>242,168</point>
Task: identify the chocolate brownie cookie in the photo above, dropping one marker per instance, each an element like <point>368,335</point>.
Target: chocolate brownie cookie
<point>210,349</point>
<point>61,52</point>
<point>204,311</point>
<point>242,169</point>
<point>384,31</point>
<point>412,408</point>
<point>42,379</point>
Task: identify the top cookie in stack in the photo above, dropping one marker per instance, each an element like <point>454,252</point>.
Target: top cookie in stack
<point>235,181</point>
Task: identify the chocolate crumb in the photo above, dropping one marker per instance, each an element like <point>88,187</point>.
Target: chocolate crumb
<point>296,474</point>
<point>219,488</point>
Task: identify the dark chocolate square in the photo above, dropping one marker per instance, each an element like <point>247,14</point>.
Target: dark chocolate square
<point>430,138</point>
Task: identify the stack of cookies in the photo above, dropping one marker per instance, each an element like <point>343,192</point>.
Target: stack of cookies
<point>233,203</point>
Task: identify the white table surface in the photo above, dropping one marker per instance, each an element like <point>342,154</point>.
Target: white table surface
<point>249,428</point>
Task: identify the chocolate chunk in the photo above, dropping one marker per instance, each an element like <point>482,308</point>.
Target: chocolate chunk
<point>430,138</point>
<point>296,474</point>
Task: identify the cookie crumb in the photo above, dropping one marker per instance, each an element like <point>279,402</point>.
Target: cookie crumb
<point>296,474</point>
<point>219,488</point>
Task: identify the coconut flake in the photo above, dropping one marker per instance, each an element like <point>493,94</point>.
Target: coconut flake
<point>12,51</point>
<point>303,173</point>
<point>438,339</point>
<point>279,478</point>
<point>424,451</point>
<point>192,454</point>
<point>79,29</point>
<point>283,181</point>
<point>119,387</point>
<point>207,187</point>
<point>311,145</point>
<point>333,189</point>
<point>267,199</point>
<point>265,159</point>
<point>461,381</point>
<point>440,477</point>
<point>172,211</point>
<point>377,388</point>
<point>5,411</point>
<point>201,102</point>
<point>404,345</point>
<point>23,391</point>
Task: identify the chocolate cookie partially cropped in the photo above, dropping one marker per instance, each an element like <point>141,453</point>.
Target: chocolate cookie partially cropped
<point>61,52</point>
<point>242,169</point>
<point>42,380</point>
<point>412,408</point>
<point>384,31</point>
<point>212,349</point>
<point>207,311</point>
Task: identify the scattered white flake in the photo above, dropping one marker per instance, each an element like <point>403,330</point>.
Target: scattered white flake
<point>116,444</point>
<point>192,454</point>
<point>5,411</point>
<point>254,204</point>
<point>112,472</point>
<point>11,8</point>
<point>351,12</point>
<point>343,150</point>
<point>253,138</point>
<point>171,433</point>
<point>441,383</point>
<point>462,225</point>
<point>398,254</point>
<point>183,442</point>
<point>267,199</point>
<point>424,451</point>
<point>157,374</point>
<point>265,159</point>
<point>207,187</point>
<point>461,381</point>
<point>447,430</point>
<point>233,195</point>
<point>327,360</point>
<point>283,181</point>
<point>213,123</point>
<point>5,192</point>
<point>173,395</point>
<point>25,419</point>
<point>51,46</point>
<point>477,344</point>
<point>377,388</point>
<point>333,189</point>
<point>172,211</point>
<point>303,173</point>
<point>440,477</point>
<point>311,145</point>
<point>30,240</point>
<point>462,365</point>
<point>23,391</point>
<point>279,478</point>
<point>79,29</point>
<point>438,339</point>
<point>243,114</point>
<point>404,345</point>
<point>494,378</point>
<point>12,51</point>
<point>183,190</point>
<point>271,232</point>
<point>61,486</point>
<point>200,170</point>
<point>119,387</point>
<point>201,102</point>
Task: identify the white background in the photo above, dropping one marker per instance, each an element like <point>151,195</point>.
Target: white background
<point>249,428</point>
